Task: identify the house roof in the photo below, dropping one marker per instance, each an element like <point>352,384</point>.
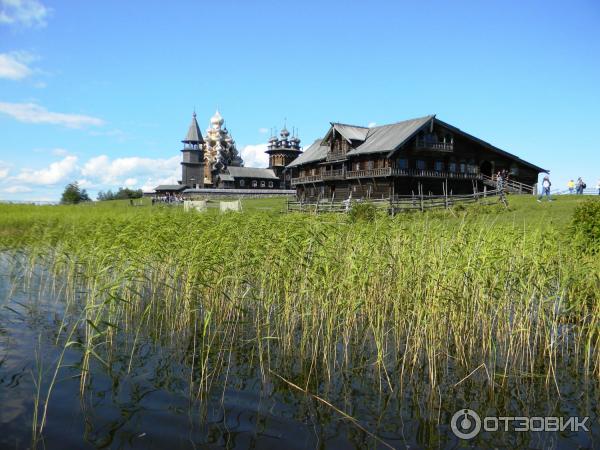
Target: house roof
<point>490,146</point>
<point>225,177</point>
<point>350,132</point>
<point>315,152</point>
<point>251,172</point>
<point>386,139</point>
<point>194,135</point>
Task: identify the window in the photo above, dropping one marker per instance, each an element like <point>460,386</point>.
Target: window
<point>421,164</point>
<point>402,163</point>
<point>462,167</point>
<point>452,166</point>
<point>370,165</point>
<point>262,184</point>
<point>357,165</point>
<point>471,166</point>
<point>270,184</point>
<point>242,183</point>
<point>254,183</point>
<point>439,166</point>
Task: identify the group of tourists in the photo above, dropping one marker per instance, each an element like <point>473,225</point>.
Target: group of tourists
<point>168,198</point>
<point>577,187</point>
<point>580,186</point>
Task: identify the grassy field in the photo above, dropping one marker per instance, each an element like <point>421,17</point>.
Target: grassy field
<point>436,304</point>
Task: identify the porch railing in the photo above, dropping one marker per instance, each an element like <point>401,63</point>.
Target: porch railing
<point>370,173</point>
<point>307,179</point>
<point>437,146</point>
<point>341,174</point>
<point>338,174</point>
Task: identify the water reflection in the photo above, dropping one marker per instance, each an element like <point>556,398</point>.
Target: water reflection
<point>150,398</point>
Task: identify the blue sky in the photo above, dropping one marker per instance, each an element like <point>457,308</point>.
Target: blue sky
<point>102,92</point>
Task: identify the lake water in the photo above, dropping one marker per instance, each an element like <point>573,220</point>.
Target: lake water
<point>152,404</point>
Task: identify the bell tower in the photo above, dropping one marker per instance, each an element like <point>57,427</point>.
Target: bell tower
<point>192,166</point>
<point>281,152</point>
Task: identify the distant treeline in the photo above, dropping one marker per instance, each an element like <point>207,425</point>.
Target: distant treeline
<point>121,194</point>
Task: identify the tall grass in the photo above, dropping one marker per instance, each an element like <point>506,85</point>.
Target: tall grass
<point>419,304</point>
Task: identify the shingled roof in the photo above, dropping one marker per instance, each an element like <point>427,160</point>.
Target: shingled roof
<point>315,152</point>
<point>385,139</point>
<point>251,172</point>
<point>194,135</point>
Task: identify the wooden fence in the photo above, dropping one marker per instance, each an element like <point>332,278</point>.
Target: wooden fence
<point>400,203</point>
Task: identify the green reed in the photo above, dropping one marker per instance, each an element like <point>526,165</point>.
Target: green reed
<point>417,302</point>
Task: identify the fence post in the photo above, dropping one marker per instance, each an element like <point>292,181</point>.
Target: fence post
<point>445,189</point>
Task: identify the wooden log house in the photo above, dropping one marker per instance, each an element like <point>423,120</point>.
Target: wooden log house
<point>405,158</point>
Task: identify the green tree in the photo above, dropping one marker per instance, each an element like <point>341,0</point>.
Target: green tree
<point>74,194</point>
<point>122,194</point>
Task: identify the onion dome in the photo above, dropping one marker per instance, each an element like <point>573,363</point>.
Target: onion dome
<point>295,141</point>
<point>217,119</point>
<point>284,133</point>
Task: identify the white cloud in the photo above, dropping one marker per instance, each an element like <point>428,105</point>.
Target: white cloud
<point>56,172</point>
<point>130,182</point>
<point>85,184</point>
<point>17,189</point>
<point>255,156</point>
<point>372,124</point>
<point>263,130</point>
<point>28,13</point>
<point>3,169</point>
<point>127,171</point>
<point>151,183</point>
<point>14,65</point>
<point>32,113</point>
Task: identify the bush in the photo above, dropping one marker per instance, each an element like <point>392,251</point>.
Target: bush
<point>362,211</point>
<point>73,194</point>
<point>122,194</point>
<point>586,226</point>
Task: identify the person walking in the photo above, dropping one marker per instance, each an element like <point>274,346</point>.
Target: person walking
<point>580,186</point>
<point>571,186</point>
<point>545,189</point>
<point>499,181</point>
<point>598,186</point>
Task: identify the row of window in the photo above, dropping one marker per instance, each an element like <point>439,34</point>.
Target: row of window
<point>440,166</point>
<point>255,183</point>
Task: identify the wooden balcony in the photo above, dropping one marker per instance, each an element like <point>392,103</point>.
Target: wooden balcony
<point>335,156</point>
<point>418,173</point>
<point>369,173</point>
<point>341,174</point>
<point>307,179</point>
<point>423,144</point>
